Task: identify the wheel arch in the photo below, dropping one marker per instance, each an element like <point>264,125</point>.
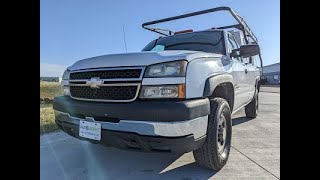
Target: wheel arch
<point>220,85</point>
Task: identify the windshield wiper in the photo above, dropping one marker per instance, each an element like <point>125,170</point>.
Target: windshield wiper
<point>203,43</point>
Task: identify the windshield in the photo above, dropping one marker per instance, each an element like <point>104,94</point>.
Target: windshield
<point>206,41</point>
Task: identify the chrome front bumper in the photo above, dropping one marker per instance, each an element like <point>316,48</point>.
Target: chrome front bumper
<point>196,127</point>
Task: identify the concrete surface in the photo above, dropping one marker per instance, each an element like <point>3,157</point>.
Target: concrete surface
<point>255,154</point>
<point>269,88</point>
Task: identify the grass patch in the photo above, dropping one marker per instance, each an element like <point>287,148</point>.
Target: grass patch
<point>45,105</point>
<point>49,89</point>
<point>47,123</point>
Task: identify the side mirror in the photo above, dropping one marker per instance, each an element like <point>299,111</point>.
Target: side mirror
<point>246,51</point>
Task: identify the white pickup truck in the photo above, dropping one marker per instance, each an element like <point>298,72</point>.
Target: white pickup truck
<point>177,95</point>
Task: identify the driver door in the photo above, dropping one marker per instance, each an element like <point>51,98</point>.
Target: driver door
<point>239,73</point>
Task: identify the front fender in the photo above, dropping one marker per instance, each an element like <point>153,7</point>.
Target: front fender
<point>213,81</point>
<point>198,71</point>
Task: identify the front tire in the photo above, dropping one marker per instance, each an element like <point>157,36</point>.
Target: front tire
<point>214,153</point>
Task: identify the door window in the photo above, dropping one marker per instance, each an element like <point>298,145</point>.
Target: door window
<point>256,61</point>
<point>233,44</point>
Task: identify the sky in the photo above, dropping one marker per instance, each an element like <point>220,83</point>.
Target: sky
<point>71,30</point>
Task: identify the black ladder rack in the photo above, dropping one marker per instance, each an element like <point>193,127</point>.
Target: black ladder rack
<point>241,26</point>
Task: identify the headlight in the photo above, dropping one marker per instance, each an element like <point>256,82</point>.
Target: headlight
<point>66,75</point>
<point>65,83</point>
<point>169,69</point>
<point>163,91</point>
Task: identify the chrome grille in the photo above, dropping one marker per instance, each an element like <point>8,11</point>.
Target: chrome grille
<point>107,74</point>
<point>106,85</point>
<point>104,92</point>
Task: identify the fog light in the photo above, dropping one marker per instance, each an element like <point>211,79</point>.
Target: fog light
<point>66,90</point>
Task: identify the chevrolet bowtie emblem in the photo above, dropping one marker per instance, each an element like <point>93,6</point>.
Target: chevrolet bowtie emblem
<point>94,82</point>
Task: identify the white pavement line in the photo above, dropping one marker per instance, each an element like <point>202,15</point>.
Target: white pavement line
<point>255,162</point>
<point>270,92</point>
<point>56,158</point>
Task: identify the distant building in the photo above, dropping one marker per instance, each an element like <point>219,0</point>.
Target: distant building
<point>271,74</point>
<point>50,79</point>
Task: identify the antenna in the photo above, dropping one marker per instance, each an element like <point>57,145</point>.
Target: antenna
<point>124,38</point>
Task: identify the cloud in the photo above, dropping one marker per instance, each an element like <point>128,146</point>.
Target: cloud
<point>51,70</point>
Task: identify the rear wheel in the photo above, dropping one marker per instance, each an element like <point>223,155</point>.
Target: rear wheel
<point>214,152</point>
<point>252,108</point>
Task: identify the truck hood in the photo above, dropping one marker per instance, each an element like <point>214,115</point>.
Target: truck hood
<point>138,59</point>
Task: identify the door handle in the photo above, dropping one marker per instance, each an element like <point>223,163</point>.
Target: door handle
<point>246,71</point>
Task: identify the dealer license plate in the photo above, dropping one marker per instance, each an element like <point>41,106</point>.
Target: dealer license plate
<point>90,130</point>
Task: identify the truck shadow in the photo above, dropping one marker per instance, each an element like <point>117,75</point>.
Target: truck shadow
<point>240,120</point>
<point>111,163</point>
<point>84,160</point>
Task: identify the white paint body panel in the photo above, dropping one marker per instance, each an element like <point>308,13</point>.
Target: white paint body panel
<point>137,59</point>
<point>200,69</point>
<point>157,81</point>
